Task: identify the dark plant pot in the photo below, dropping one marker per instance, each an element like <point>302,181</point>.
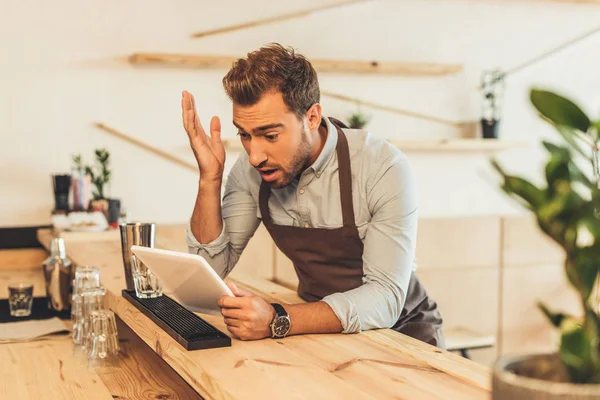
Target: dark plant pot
<point>537,377</point>
<point>114,211</point>
<point>489,128</point>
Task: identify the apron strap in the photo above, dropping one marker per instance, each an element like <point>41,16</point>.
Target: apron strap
<point>345,177</point>
<point>263,202</point>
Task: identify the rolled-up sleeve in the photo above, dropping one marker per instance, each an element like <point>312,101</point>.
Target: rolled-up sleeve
<point>389,252</point>
<point>240,221</point>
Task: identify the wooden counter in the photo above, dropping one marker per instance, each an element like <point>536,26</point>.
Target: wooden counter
<point>373,364</point>
<point>53,369</point>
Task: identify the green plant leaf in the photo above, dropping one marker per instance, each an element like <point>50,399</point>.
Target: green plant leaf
<point>561,205</point>
<point>569,135</point>
<point>557,169</point>
<point>561,152</point>
<point>520,187</point>
<point>559,110</point>
<point>555,318</point>
<point>561,165</point>
<point>579,176</point>
<point>596,126</point>
<point>585,266</point>
<point>577,352</point>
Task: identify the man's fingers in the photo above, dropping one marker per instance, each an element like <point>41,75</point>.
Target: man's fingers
<point>236,323</point>
<point>215,128</point>
<point>186,105</point>
<point>235,313</point>
<point>231,302</point>
<point>236,332</point>
<point>238,291</point>
<point>197,126</point>
<point>184,113</point>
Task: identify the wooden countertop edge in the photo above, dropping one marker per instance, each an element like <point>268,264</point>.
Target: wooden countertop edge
<point>167,348</point>
<point>434,357</point>
<point>159,341</point>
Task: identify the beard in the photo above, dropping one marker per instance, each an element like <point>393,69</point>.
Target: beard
<point>297,164</point>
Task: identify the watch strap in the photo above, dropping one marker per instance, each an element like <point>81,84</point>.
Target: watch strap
<point>279,310</point>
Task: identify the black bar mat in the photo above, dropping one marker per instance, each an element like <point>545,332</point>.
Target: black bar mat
<point>39,310</point>
<point>188,329</point>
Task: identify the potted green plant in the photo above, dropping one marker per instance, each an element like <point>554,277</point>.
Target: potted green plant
<point>567,209</point>
<point>358,120</point>
<point>492,84</point>
<point>100,176</point>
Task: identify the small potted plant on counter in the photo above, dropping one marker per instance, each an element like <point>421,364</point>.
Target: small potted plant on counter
<point>567,209</point>
<point>100,174</point>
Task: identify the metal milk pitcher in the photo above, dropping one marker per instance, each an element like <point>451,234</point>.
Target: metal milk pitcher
<point>58,274</point>
<point>140,234</point>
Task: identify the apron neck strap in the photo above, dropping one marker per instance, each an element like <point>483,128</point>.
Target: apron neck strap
<point>345,177</point>
<point>263,202</point>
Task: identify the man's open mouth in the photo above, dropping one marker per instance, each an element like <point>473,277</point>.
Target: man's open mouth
<point>269,174</point>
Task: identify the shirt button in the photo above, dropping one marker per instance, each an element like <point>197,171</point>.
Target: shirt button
<point>306,225</point>
<point>301,191</point>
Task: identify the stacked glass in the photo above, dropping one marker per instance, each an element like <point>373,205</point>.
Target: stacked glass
<point>94,327</point>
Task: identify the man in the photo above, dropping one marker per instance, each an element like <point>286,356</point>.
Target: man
<point>340,203</point>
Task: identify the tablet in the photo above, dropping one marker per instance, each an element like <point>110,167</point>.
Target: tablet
<point>188,277</point>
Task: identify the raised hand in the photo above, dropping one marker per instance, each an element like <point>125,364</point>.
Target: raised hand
<point>208,150</point>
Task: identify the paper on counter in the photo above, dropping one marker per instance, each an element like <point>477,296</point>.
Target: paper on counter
<point>30,330</point>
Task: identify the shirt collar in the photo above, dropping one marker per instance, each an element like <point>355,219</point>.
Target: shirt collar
<point>328,149</point>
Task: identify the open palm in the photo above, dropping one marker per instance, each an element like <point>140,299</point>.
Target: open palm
<point>208,150</point>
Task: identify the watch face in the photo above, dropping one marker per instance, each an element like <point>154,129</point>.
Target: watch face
<point>281,326</point>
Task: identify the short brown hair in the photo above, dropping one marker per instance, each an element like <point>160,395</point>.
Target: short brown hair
<point>273,68</point>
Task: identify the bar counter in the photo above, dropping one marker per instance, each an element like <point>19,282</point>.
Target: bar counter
<point>370,365</point>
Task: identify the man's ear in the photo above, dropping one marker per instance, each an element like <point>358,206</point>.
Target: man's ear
<point>313,117</point>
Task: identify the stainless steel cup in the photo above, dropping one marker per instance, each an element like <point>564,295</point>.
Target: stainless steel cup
<point>139,234</point>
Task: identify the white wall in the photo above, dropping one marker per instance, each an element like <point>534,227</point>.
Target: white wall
<point>61,68</point>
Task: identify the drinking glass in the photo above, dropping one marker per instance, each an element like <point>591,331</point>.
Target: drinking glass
<point>146,283</point>
<point>85,277</point>
<point>90,300</point>
<point>20,299</point>
<point>103,337</point>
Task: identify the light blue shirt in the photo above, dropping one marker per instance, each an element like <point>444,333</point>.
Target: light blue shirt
<point>385,206</point>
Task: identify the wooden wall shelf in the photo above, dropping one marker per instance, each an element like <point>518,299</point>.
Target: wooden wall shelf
<point>456,145</point>
<point>321,65</point>
<point>430,145</point>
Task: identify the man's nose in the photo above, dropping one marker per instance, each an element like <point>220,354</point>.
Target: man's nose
<point>256,154</point>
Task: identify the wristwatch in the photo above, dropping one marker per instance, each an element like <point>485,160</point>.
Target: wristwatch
<point>281,324</point>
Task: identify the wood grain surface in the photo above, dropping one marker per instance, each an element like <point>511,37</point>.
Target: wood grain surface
<point>53,369</point>
<point>22,258</point>
<point>320,65</point>
<point>47,370</point>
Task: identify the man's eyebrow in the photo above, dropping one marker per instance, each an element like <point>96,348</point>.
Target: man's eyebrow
<point>260,129</point>
<point>267,127</point>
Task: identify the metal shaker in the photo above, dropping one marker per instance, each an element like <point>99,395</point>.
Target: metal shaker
<point>58,274</point>
<point>139,234</point>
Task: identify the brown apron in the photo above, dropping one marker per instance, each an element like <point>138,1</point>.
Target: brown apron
<point>329,261</point>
